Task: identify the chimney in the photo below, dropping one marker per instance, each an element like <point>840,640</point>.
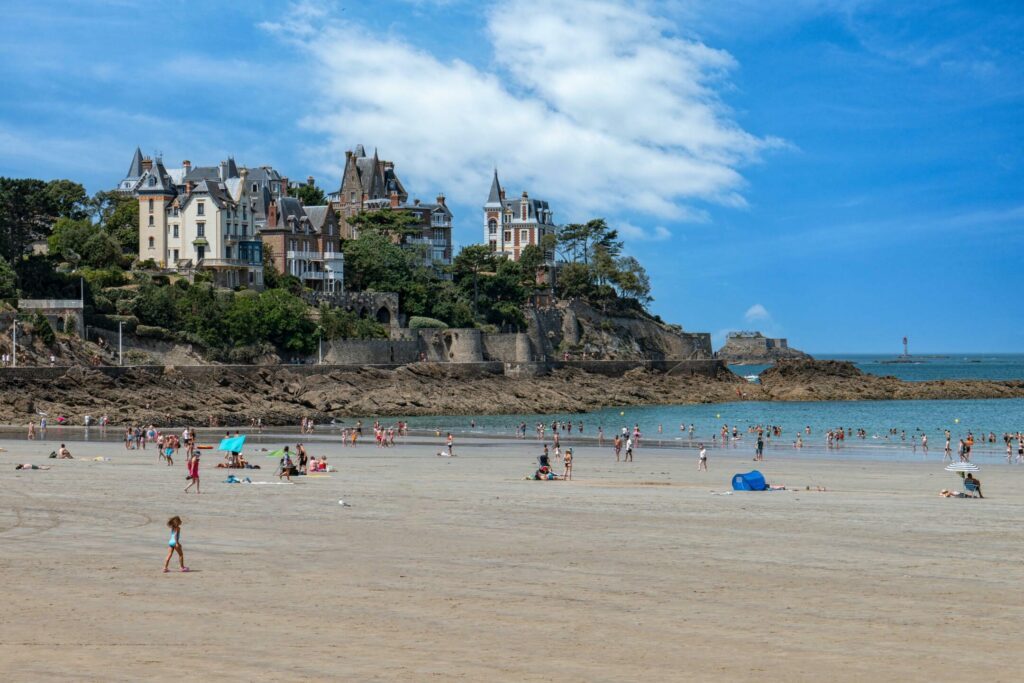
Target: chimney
<point>222,170</point>
<point>284,186</point>
<point>187,165</point>
<point>188,186</point>
<point>394,199</point>
<point>415,202</point>
<point>525,195</point>
<point>310,181</point>
<point>503,194</point>
<point>440,199</point>
<point>147,164</point>
<point>272,215</point>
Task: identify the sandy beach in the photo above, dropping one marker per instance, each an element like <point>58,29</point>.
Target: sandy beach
<point>458,569</point>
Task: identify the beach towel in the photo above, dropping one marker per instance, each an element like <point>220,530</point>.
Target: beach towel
<point>233,444</point>
<point>750,481</point>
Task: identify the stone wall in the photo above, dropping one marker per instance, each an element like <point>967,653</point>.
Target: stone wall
<point>370,351</point>
<point>56,312</point>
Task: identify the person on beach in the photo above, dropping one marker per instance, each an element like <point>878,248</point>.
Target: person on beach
<point>63,453</point>
<point>303,458</point>
<point>450,442</point>
<point>702,459</point>
<point>759,450</point>
<point>600,436</point>
<point>617,444</point>
<point>193,471</point>
<point>32,431</point>
<point>977,483</point>
<point>567,474</point>
<point>174,544</point>
<point>30,466</point>
<point>924,443</point>
<point>629,450</point>
<point>286,465</point>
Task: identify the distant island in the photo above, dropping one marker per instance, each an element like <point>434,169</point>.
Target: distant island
<point>753,348</point>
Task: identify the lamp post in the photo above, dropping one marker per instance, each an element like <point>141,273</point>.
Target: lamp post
<point>321,361</point>
<point>120,349</point>
<point>14,344</point>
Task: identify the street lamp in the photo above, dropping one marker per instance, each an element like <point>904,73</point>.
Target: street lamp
<point>321,362</point>
<point>120,350</point>
<point>14,345</point>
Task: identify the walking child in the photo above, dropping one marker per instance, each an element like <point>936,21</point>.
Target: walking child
<point>174,544</point>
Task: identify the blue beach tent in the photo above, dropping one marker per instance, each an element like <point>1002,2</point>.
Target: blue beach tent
<point>751,481</point>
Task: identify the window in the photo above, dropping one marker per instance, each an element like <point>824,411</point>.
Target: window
<point>174,230</point>
<point>494,245</point>
<point>508,218</point>
<point>152,181</point>
<point>200,253</point>
<point>524,236</point>
<point>245,210</point>
<point>255,187</point>
<point>245,229</point>
<point>152,243</point>
<point>175,252</point>
<point>151,220</point>
<point>508,235</point>
<point>200,229</point>
<point>200,209</point>
<point>352,196</point>
<point>151,206</point>
<point>227,252</point>
<point>492,227</point>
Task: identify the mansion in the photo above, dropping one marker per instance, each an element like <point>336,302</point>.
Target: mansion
<point>220,219</point>
<point>512,224</point>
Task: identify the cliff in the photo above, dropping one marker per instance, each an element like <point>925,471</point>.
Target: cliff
<point>583,331</point>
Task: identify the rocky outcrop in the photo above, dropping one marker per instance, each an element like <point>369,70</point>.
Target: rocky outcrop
<point>577,328</point>
<point>228,396</point>
<point>829,380</point>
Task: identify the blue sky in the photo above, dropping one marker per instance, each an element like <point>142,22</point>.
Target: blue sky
<point>841,173</point>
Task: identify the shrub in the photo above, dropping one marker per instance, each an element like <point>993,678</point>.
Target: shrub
<point>125,306</point>
<point>41,326</point>
<point>101,278</point>
<point>154,332</point>
<point>419,322</point>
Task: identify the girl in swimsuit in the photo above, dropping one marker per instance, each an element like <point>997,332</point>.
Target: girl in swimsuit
<point>174,544</point>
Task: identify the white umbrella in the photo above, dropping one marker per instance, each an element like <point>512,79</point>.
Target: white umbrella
<point>962,467</point>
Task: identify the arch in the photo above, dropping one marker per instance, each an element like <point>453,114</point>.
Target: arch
<point>384,316</point>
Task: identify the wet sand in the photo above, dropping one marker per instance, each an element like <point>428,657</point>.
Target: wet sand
<point>457,569</point>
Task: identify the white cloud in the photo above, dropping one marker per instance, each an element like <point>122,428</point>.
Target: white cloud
<point>595,105</point>
<point>634,232</point>
<point>757,313</point>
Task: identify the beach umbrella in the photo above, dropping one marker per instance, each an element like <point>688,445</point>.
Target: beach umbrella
<point>962,467</point>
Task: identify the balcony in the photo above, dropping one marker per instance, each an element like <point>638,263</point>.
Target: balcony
<point>220,263</point>
<point>304,256</point>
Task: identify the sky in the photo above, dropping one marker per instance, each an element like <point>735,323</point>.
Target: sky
<point>838,173</point>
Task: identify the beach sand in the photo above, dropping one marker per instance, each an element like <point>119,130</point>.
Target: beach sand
<point>457,569</point>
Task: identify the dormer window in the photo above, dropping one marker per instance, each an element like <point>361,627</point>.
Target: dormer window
<point>255,187</point>
<point>152,181</point>
<point>200,209</point>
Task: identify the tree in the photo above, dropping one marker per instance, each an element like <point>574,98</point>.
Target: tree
<point>29,207</point>
<point>469,263</point>
<point>373,261</point>
<point>83,242</point>
<point>577,241</point>
<point>631,280</point>
<point>118,214</point>
<point>271,276</point>
<point>8,280</point>
<point>399,225</point>
<point>309,195</point>
<point>531,260</point>
<point>67,199</point>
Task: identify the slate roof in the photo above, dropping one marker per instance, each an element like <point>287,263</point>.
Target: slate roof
<point>135,169</point>
<point>317,216</point>
<point>157,181</point>
<point>495,196</point>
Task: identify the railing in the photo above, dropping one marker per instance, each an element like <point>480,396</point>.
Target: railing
<point>49,303</point>
<point>305,255</point>
<point>227,263</point>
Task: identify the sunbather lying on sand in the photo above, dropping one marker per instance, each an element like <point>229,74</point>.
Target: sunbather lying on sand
<point>946,493</point>
<point>30,466</point>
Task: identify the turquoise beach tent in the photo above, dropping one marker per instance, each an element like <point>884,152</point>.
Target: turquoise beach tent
<point>751,481</point>
<point>232,445</point>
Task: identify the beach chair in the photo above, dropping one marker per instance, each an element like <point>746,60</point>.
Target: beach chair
<point>970,488</point>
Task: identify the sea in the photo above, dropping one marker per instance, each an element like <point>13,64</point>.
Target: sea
<point>909,419</point>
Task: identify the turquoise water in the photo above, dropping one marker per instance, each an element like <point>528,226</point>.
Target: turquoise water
<point>877,417</point>
<point>949,366</point>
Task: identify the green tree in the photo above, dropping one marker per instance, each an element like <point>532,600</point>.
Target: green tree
<point>26,214</point>
<point>399,225</point>
<point>118,214</point>
<point>80,241</point>
<point>67,199</point>
<point>8,280</point>
<point>467,266</point>
<point>271,276</point>
<point>374,262</point>
<point>632,281</point>
<point>309,195</point>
